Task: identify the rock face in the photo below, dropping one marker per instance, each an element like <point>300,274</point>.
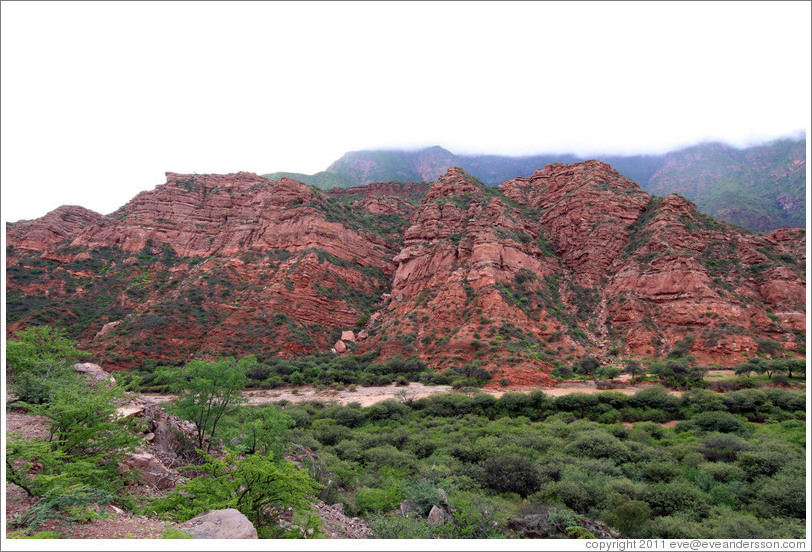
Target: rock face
<point>572,260</point>
<point>206,264</point>
<point>220,524</point>
<point>43,233</point>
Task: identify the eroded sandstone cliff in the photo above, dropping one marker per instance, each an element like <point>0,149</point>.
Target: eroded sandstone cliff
<point>573,260</point>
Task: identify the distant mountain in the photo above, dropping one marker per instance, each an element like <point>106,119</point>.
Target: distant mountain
<point>761,187</point>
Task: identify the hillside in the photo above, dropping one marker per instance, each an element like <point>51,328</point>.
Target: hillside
<point>761,187</point>
<point>573,260</point>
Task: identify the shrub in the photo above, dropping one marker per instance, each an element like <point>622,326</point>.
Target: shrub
<point>723,447</point>
<point>702,400</point>
<point>562,371</point>
<point>576,402</point>
<point>369,500</point>
<point>720,422</point>
<point>659,471</point>
<point>471,370</point>
<point>676,497</point>
<point>783,496</point>
<point>721,471</point>
<point>761,463</point>
<point>474,517</point>
<point>255,485</point>
<point>656,397</point>
<point>630,517</point>
<point>511,474</point>
<point>39,361</point>
<point>393,526</point>
<point>586,366</point>
<point>260,429</point>
<point>674,527</point>
<point>573,495</point>
<point>424,494</point>
<point>515,404</point>
<point>598,444</point>
<point>608,372</point>
<point>387,455</point>
<point>745,401</point>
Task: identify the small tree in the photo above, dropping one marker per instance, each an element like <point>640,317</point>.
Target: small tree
<point>261,429</point>
<point>586,366</point>
<point>206,390</point>
<point>562,371</point>
<point>609,372</point>
<point>633,368</point>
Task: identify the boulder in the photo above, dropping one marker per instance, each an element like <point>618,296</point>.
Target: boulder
<point>437,516</point>
<point>150,470</point>
<point>220,524</point>
<point>107,328</point>
<point>348,335</point>
<point>408,509</point>
<point>94,372</point>
<point>340,347</point>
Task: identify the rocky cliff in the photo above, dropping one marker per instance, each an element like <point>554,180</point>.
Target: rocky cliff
<point>572,260</point>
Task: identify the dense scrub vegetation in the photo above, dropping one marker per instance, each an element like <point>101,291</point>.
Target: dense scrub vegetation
<point>324,369</point>
<point>654,464</point>
<point>716,474</point>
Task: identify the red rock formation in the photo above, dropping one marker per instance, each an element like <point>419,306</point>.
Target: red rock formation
<point>573,260</point>
<point>41,234</point>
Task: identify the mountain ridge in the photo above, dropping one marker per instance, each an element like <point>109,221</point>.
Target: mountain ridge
<point>760,187</point>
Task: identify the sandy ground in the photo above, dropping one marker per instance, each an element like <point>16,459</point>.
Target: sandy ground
<point>367,396</point>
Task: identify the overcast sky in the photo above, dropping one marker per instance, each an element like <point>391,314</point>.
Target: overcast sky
<point>100,99</point>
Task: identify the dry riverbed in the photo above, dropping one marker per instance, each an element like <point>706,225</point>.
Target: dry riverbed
<point>367,396</point>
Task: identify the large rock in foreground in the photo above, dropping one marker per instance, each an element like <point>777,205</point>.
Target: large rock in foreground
<point>220,524</point>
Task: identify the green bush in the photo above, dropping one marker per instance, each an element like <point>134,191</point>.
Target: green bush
<point>393,526</point>
<point>39,362</point>
<point>630,517</point>
<point>676,497</point>
<point>656,397</point>
<point>724,447</point>
<point>511,474</point>
<point>255,485</point>
<point>674,527</point>
<point>424,493</point>
<point>377,500</point>
<point>598,444</point>
<point>573,495</point>
<point>719,422</point>
<point>762,463</point>
<point>783,496</point>
<point>388,456</point>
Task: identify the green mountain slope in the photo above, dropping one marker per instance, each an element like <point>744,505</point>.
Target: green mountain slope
<point>762,187</point>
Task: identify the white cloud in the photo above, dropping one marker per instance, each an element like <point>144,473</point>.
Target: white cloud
<point>99,99</point>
